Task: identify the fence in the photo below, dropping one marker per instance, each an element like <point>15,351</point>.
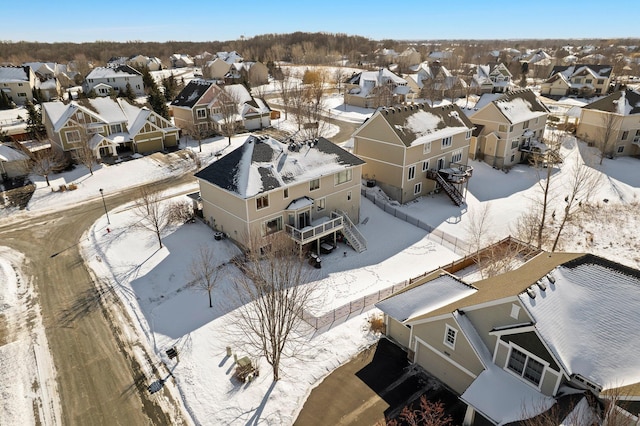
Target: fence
<point>455,244</point>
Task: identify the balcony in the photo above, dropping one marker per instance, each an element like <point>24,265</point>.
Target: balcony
<point>456,173</point>
<point>318,229</point>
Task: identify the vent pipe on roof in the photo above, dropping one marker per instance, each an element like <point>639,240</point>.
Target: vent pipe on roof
<point>531,293</point>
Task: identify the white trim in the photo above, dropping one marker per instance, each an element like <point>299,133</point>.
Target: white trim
<point>437,352</point>
<point>495,349</point>
<point>545,365</point>
<point>514,329</point>
<point>446,335</point>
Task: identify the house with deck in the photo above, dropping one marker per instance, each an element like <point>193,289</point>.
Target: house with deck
<point>511,128</point>
<point>309,190</point>
<point>614,121</point>
<point>108,127</point>
<point>414,150</point>
<point>558,333</point>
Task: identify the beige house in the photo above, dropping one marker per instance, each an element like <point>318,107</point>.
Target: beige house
<point>216,69</point>
<point>613,122</point>
<point>435,82</point>
<point>107,126</point>
<point>492,79</point>
<point>18,83</point>
<point>253,72</point>
<point>515,345</point>
<point>310,190</point>
<point>511,127</point>
<point>103,81</point>
<point>372,89</point>
<point>13,163</point>
<point>413,150</point>
<point>578,80</point>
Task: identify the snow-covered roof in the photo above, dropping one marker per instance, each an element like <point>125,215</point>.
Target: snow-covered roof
<point>623,102</point>
<point>589,319</point>
<point>263,163</point>
<point>420,123</point>
<point>520,105</point>
<point>368,80</point>
<point>9,154</point>
<point>108,72</point>
<point>13,74</point>
<point>425,298</point>
<point>238,93</point>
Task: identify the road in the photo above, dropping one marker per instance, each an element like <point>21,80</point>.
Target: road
<point>99,380</point>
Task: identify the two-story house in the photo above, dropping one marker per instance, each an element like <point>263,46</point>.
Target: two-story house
<point>18,83</point>
<point>413,150</point>
<point>435,82</point>
<point>103,81</point>
<point>512,127</point>
<point>372,89</point>
<point>310,190</point>
<point>578,80</point>
<point>253,72</point>
<point>492,79</point>
<point>613,123</point>
<point>107,126</point>
<point>515,345</point>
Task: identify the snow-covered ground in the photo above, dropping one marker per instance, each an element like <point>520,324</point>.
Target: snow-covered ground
<point>152,282</point>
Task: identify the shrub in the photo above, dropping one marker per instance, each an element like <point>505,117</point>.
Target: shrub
<point>376,323</point>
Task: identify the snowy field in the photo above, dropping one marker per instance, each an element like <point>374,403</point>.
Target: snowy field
<point>152,283</point>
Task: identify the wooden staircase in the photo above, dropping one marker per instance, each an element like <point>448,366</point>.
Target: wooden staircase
<point>449,189</point>
<point>351,233</point>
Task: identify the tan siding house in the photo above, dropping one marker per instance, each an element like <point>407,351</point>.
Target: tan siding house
<point>413,150</point>
<point>310,190</point>
<point>514,345</point>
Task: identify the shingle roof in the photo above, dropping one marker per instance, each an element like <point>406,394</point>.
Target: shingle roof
<point>520,105</point>
<point>623,102</point>
<point>569,70</point>
<point>262,164</point>
<point>421,123</point>
<point>191,93</point>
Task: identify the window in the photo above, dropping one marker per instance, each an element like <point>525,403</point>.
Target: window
<point>446,142</point>
<point>588,81</point>
<point>525,124</point>
<point>515,311</point>
<point>116,128</point>
<point>625,135</point>
<point>314,184</point>
<point>321,203</point>
<point>22,95</point>
<point>450,336</point>
<point>525,366</point>
<point>417,188</point>
<point>412,172</point>
<point>456,157</point>
<point>286,193</point>
<point>426,148</point>
<point>201,113</point>
<point>343,176</point>
<point>19,84</point>
<point>262,202</point>
<point>272,226</point>
<point>468,135</point>
<point>620,149</point>
<point>73,136</point>
<point>425,166</point>
<point>515,143</point>
<point>601,81</point>
<point>502,128</point>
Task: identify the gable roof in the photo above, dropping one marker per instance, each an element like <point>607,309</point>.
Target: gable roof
<point>191,93</point>
<point>8,154</point>
<point>570,70</point>
<point>520,105</point>
<point>262,164</point>
<point>623,102</point>
<point>14,74</point>
<point>420,123</point>
<point>588,316</point>
<point>117,72</point>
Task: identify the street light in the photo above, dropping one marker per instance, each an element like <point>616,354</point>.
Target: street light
<point>105,206</point>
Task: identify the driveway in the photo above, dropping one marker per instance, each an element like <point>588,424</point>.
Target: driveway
<point>374,387</point>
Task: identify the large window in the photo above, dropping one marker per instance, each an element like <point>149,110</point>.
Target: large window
<point>343,176</point>
<point>116,128</point>
<point>272,226</point>
<point>201,113</point>
<point>450,334</point>
<point>427,147</point>
<point>321,203</point>
<point>73,136</point>
<point>515,143</point>
<point>425,166</point>
<point>468,135</point>
<point>417,188</point>
<point>525,366</point>
<point>314,184</point>
<point>262,202</point>
<point>412,172</point>
<point>456,157</point>
<point>625,135</point>
<point>446,142</point>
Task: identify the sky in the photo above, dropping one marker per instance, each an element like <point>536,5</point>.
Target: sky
<point>191,20</point>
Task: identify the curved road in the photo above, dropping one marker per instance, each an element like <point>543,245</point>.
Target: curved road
<point>99,381</point>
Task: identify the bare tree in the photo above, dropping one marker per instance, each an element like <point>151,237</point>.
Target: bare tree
<point>284,90</point>
<point>204,272</point>
<point>198,131</point>
<point>46,161</point>
<point>427,414</point>
<point>230,120</point>
<point>153,215</point>
<point>83,154</point>
<point>582,182</point>
<point>608,134</point>
<point>273,293</point>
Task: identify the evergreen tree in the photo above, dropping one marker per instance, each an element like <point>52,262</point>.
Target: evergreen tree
<point>129,93</point>
<point>158,103</point>
<point>170,88</point>
<point>35,128</point>
<point>5,101</point>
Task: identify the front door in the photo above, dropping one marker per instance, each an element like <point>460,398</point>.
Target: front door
<point>303,219</point>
